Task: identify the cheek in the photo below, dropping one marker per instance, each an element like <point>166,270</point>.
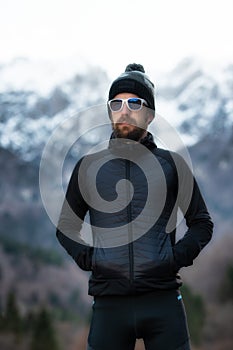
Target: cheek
<point>144,120</point>
<point>114,118</point>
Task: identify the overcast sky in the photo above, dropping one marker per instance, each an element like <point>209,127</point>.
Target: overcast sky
<point>156,33</point>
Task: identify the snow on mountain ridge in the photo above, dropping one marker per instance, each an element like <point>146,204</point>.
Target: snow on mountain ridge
<point>34,98</point>
<point>37,75</point>
<point>29,110</point>
<point>201,97</point>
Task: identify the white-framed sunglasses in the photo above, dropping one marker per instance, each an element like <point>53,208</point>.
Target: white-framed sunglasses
<point>133,104</point>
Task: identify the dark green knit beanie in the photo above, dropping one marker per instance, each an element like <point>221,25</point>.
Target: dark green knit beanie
<point>135,81</point>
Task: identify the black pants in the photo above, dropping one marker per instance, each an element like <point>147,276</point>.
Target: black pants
<point>158,318</point>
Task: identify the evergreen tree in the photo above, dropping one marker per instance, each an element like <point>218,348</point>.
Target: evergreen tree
<point>29,321</point>
<point>12,321</point>
<point>226,288</point>
<point>43,335</point>
<point>195,308</point>
<point>1,321</point>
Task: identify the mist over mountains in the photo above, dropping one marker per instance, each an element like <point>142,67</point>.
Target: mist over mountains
<point>34,101</point>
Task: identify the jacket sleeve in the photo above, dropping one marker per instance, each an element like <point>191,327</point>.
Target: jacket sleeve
<point>70,223</point>
<point>198,220</point>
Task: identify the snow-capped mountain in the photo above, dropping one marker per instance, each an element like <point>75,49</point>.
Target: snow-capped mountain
<point>35,97</point>
<point>34,100</point>
<point>197,99</point>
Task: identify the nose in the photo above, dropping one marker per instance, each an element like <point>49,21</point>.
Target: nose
<point>125,109</point>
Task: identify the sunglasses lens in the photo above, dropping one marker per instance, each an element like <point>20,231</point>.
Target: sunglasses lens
<point>135,104</point>
<point>115,105</point>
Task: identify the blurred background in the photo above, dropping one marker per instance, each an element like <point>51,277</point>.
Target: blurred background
<point>58,58</point>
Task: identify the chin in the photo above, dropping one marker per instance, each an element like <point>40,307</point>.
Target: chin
<point>130,133</point>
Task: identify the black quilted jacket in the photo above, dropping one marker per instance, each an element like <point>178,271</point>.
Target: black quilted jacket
<point>134,231</point>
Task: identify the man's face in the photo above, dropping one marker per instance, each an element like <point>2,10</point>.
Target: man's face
<point>130,124</point>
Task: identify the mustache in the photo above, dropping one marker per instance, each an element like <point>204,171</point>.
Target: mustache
<point>127,120</point>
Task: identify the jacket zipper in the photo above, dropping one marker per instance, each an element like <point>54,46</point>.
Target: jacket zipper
<point>129,217</point>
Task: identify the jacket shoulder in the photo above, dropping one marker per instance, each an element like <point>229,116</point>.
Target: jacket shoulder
<point>169,156</point>
<point>175,159</point>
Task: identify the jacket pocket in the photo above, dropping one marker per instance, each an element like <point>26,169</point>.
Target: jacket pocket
<point>84,259</point>
<point>110,263</point>
<point>154,256</point>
